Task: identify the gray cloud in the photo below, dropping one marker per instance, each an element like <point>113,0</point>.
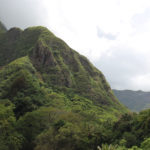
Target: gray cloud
<point>22,13</point>
<point>102,34</point>
<point>122,66</point>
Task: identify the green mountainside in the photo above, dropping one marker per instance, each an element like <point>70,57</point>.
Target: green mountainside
<point>59,67</point>
<point>134,100</point>
<point>51,97</point>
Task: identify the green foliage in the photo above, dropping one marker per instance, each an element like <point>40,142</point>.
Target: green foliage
<point>145,145</point>
<point>135,148</point>
<point>130,139</point>
<point>111,147</point>
<point>9,137</point>
<point>68,136</point>
<point>20,84</point>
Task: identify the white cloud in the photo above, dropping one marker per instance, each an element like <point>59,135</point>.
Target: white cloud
<point>123,66</point>
<point>102,34</point>
<point>123,60</point>
<point>142,81</point>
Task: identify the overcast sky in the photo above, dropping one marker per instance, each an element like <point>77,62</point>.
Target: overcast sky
<point>113,34</point>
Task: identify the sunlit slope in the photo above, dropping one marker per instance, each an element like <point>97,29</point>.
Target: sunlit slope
<point>49,63</point>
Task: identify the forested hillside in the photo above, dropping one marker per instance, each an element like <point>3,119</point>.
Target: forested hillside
<point>53,98</point>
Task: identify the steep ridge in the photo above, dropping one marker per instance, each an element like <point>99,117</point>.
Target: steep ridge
<point>51,97</point>
<point>61,68</point>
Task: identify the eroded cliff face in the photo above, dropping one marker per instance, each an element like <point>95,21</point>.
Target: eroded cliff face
<point>60,67</point>
<point>42,56</point>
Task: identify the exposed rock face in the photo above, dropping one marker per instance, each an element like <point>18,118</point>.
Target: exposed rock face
<point>42,56</point>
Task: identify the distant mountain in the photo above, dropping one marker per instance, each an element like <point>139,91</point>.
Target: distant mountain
<point>134,100</point>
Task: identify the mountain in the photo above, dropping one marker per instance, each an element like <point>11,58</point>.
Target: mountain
<point>60,67</point>
<point>51,97</point>
<point>2,28</point>
<point>134,100</point>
